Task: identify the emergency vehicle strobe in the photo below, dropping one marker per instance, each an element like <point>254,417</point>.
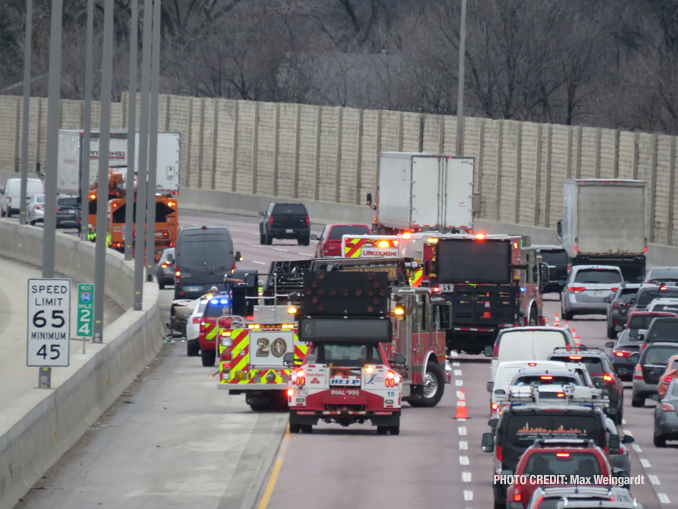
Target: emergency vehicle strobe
<point>346,377</point>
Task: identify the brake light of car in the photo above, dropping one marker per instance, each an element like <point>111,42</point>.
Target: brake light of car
<point>177,276</point>
<point>662,288</point>
<point>494,406</point>
<point>308,221</point>
<point>407,235</point>
<point>560,395</point>
<point>622,353</point>
<point>196,319</point>
<point>668,379</point>
<point>607,378</point>
<point>613,289</point>
<point>390,379</point>
<point>499,453</point>
<point>495,352</point>
<point>270,220</point>
<point>163,265</point>
<point>575,357</point>
<point>37,207</point>
<point>531,363</point>
<point>202,326</point>
<point>577,289</point>
<point>668,407</point>
<point>563,454</point>
<point>517,496</point>
<point>638,374</point>
<point>546,377</point>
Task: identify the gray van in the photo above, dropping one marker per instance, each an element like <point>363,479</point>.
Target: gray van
<point>204,256</point>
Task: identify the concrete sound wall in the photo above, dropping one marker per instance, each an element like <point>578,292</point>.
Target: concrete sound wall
<point>39,427</point>
<point>331,154</point>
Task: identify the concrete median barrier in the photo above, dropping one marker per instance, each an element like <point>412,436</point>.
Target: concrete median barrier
<point>39,427</point>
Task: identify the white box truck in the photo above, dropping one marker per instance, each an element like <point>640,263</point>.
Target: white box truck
<point>605,223</point>
<point>423,192</point>
<point>70,150</point>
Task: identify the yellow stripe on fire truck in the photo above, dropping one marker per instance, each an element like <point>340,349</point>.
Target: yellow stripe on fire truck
<point>369,246</point>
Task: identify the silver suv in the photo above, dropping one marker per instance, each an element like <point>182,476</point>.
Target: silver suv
<point>587,288</point>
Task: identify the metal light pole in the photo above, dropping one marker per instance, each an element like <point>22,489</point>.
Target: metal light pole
<point>27,103</point>
<point>140,241</point>
<point>102,178</point>
<point>153,146</point>
<point>85,152</point>
<point>131,131</point>
<point>52,145</point>
<point>460,92</point>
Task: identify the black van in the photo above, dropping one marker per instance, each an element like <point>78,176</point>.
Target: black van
<point>519,426</point>
<point>204,257</point>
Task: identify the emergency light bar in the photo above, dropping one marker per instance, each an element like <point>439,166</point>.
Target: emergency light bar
<point>568,394</point>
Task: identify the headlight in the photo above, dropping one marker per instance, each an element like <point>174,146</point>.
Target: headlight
<point>226,341</point>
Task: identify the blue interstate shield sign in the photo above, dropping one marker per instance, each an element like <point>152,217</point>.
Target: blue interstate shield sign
<point>86,296</point>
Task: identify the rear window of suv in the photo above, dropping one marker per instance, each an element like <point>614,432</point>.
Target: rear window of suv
<point>593,364</point>
<point>597,276</point>
<point>290,208</point>
<point>647,295</point>
<point>547,463</point>
<point>664,329</point>
<point>546,380</point>
<point>67,202</point>
<point>339,231</point>
<point>523,430</point>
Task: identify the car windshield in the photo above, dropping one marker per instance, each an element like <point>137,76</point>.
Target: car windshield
<point>659,354</point>
<point>544,380</point>
<point>67,202</point>
<point>347,354</point>
<point>562,463</point>
<point>667,273</point>
<point>289,208</point>
<point>664,329</point>
<point>339,231</point>
<point>597,276</point>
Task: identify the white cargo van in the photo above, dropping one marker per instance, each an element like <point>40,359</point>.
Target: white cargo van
<point>11,195</point>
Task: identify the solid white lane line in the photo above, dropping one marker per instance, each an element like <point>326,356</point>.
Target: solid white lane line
<point>466,477</point>
<point>463,460</point>
<point>636,448</point>
<point>457,372</point>
<point>463,445</point>
<point>663,498</point>
<point>645,463</point>
<point>468,495</point>
<point>462,430</point>
<point>654,479</point>
<point>458,382</point>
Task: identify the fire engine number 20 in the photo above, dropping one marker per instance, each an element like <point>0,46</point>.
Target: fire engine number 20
<point>278,347</point>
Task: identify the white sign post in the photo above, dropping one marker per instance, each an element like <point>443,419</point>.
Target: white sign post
<point>49,326</point>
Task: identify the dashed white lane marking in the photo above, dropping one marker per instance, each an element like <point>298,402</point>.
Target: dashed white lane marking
<point>645,463</point>
<point>280,249</point>
<point>457,372</point>
<point>463,445</point>
<point>463,460</point>
<point>260,263</point>
<point>461,420</point>
<point>462,430</point>
<point>663,498</point>
<point>466,477</point>
<point>455,364</point>
<point>458,394</point>
<point>454,354</point>
<point>628,432</point>
<point>468,495</point>
<point>623,421</point>
<point>654,479</point>
<point>458,382</point>
<point>636,448</point>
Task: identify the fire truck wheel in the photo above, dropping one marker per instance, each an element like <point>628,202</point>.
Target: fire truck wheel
<point>295,428</point>
<point>534,319</point>
<point>259,407</point>
<point>394,430</point>
<point>208,357</point>
<point>434,386</point>
<point>306,428</point>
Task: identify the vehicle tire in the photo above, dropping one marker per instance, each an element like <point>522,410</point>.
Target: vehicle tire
<point>434,386</point>
<point>637,402</point>
<point>32,223</point>
<point>258,407</point>
<point>394,430</point>
<point>2,213</point>
<point>566,315</point>
<point>659,441</point>
<point>9,212</point>
<point>611,333</point>
<point>534,319</point>
<point>262,239</point>
<point>382,430</point>
<point>161,286</point>
<point>208,357</point>
<point>295,428</point>
<point>192,348</point>
<point>304,241</point>
<point>620,414</point>
<point>268,240</point>
<point>306,428</point>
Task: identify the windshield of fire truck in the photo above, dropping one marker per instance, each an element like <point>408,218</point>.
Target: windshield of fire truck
<point>347,354</point>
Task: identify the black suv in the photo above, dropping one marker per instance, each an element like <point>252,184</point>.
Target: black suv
<point>618,308</point>
<point>285,221</point>
<point>601,370</point>
<point>519,426</point>
<point>557,260</point>
<point>68,211</point>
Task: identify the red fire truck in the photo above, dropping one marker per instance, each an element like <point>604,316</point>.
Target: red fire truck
<point>491,283</point>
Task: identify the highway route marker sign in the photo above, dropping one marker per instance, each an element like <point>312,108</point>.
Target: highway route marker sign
<point>49,322</point>
<point>85,323</point>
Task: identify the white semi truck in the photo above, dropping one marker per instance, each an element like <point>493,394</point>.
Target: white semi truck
<point>423,192</point>
<point>70,159</point>
<point>605,223</point>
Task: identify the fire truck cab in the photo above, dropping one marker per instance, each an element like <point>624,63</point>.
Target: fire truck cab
<point>346,376</point>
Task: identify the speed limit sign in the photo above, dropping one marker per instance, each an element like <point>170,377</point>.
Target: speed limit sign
<point>49,322</point>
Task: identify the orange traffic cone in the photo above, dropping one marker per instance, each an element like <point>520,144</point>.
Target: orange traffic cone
<point>556,321</point>
<point>576,337</point>
<point>462,412</point>
<point>567,325</point>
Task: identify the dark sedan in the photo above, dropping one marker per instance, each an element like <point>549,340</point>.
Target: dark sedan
<point>618,309</point>
<point>626,345</point>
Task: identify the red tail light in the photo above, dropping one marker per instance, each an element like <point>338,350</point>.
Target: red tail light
<point>390,379</point>
<point>638,374</point>
<point>499,453</point>
<point>196,319</point>
<point>226,355</point>
<point>202,326</point>
<point>517,497</point>
<point>308,221</point>
<point>607,378</point>
<point>546,377</point>
<point>668,407</point>
<point>668,379</point>
<point>622,353</point>
<point>37,207</point>
<point>562,454</point>
<point>495,352</point>
<point>270,220</point>
<point>177,276</point>
<point>577,289</point>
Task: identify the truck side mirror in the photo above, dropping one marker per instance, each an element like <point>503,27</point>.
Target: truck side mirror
<point>487,444</point>
<point>559,229</point>
<point>490,386</point>
<point>399,361</point>
<point>628,439</point>
<point>369,199</point>
<point>544,274</point>
<point>288,359</point>
<point>238,256</point>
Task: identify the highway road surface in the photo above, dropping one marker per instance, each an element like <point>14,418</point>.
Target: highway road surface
<point>173,440</point>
